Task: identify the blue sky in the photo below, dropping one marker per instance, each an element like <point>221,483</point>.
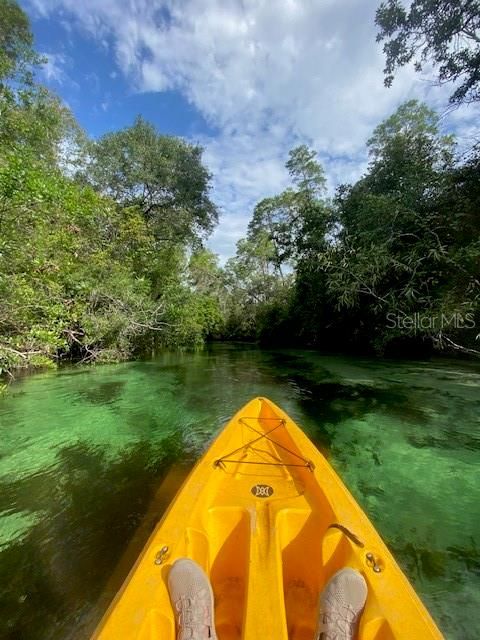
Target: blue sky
<point>247,79</point>
<point>84,72</point>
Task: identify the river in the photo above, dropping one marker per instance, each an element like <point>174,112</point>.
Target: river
<point>91,456</point>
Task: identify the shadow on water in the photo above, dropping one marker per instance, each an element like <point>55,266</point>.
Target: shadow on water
<point>452,568</point>
<point>331,401</point>
<point>103,393</point>
<point>428,563</point>
<point>54,578</point>
<point>447,439</point>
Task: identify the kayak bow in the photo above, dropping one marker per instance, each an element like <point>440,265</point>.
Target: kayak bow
<point>270,522</point>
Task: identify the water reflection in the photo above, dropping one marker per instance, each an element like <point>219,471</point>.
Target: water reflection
<point>91,507</point>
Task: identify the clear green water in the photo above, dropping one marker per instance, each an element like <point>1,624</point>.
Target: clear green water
<point>89,458</point>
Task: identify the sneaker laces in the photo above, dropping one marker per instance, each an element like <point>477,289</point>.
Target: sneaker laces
<point>194,617</point>
<point>339,623</point>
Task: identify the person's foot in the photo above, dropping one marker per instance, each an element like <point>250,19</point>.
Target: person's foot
<point>192,599</point>
<point>340,606</point>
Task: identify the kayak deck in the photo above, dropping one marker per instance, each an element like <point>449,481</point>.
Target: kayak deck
<point>270,522</point>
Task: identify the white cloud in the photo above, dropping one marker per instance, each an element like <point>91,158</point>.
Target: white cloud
<point>243,174</point>
<point>267,75</point>
<point>53,68</point>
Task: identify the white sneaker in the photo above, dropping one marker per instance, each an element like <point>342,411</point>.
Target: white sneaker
<point>340,606</point>
<point>192,599</point>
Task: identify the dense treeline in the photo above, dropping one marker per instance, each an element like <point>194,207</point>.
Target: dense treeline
<point>391,264</point>
<point>101,241</point>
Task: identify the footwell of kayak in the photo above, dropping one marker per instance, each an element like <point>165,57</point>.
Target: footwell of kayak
<point>270,522</point>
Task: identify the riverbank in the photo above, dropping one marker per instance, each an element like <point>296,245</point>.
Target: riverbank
<point>401,354</point>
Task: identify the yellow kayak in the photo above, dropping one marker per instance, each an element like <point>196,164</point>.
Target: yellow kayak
<point>270,522</point>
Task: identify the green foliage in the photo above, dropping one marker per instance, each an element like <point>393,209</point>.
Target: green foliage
<point>81,278</point>
<point>94,268</point>
<point>194,291</point>
<point>205,274</point>
<point>442,33</point>
<point>393,260</point>
<point>398,249</point>
<point>34,122</point>
<point>109,264</point>
<point>282,230</point>
<point>250,282</point>
<point>286,219</point>
<point>161,175</point>
<point>16,40</point>
<point>306,173</point>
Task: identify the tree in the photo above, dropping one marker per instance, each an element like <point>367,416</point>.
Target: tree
<point>444,33</point>
<point>414,121</point>
<point>31,118</point>
<point>34,121</point>
<point>250,273</point>
<point>408,154</point>
<point>401,243</point>
<point>16,40</point>
<point>389,219</point>
<point>163,176</point>
<point>276,218</point>
<point>289,217</point>
<point>84,276</point>
<point>207,284</point>
<point>283,229</point>
<point>397,247</point>
<point>306,172</point>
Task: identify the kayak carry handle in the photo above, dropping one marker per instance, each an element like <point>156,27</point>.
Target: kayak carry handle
<point>351,536</point>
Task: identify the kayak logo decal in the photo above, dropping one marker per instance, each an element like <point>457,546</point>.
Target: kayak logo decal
<point>262,490</point>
